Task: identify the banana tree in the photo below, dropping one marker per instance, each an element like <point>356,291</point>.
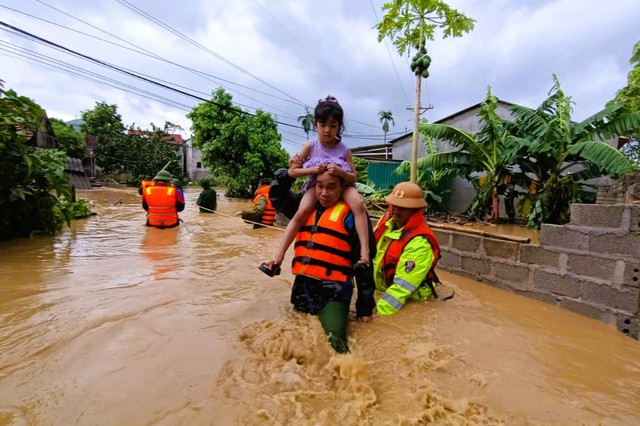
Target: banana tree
<point>482,153</point>
<point>431,180</point>
<point>560,155</point>
<point>408,23</point>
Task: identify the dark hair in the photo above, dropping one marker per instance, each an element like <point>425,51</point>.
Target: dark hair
<point>264,181</point>
<point>329,107</point>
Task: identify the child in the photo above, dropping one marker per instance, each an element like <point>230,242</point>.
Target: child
<point>325,152</point>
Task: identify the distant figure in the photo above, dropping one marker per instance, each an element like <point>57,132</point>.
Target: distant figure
<point>147,181</point>
<point>176,182</point>
<point>262,211</point>
<point>163,202</point>
<point>207,200</point>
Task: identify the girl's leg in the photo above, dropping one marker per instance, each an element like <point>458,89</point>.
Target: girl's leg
<point>354,200</point>
<point>307,203</point>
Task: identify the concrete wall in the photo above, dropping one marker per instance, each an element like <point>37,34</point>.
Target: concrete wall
<point>590,266</point>
<point>193,158</point>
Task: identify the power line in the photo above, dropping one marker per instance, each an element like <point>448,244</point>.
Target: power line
<point>125,71</point>
<point>204,48</point>
<point>145,52</point>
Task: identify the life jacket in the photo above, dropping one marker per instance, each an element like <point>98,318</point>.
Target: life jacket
<point>269,215</point>
<point>161,201</point>
<point>322,248</point>
<point>145,184</point>
<point>414,227</point>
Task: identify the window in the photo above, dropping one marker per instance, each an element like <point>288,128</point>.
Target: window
<point>199,165</point>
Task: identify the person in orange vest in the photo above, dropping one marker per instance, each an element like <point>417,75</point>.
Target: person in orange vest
<point>406,251</point>
<point>162,201</point>
<point>327,248</point>
<point>262,211</point>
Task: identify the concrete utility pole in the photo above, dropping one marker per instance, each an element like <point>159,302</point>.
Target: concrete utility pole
<point>416,126</point>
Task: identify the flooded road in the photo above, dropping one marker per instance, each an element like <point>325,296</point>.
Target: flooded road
<point>114,323</point>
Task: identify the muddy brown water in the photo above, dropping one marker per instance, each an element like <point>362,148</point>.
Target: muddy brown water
<point>113,323</point>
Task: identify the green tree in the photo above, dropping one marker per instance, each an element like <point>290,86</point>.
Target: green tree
<point>629,96</point>
<point>67,139</point>
<point>129,157</point>
<point>362,169</point>
<point>233,142</point>
<point>307,121</point>
<point>484,153</point>
<point>561,155</point>
<point>32,182</point>
<point>150,151</point>
<point>104,122</point>
<point>385,118</point>
<point>408,23</point>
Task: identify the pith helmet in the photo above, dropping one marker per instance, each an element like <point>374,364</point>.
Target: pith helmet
<point>408,195</point>
<point>163,175</point>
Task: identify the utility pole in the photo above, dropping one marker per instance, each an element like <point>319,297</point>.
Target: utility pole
<point>417,112</point>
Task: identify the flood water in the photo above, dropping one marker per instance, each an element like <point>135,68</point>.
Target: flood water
<point>114,323</point>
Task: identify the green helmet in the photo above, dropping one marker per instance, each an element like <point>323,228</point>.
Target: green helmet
<point>175,181</point>
<point>163,175</point>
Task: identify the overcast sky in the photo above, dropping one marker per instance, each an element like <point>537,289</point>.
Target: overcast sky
<point>279,56</point>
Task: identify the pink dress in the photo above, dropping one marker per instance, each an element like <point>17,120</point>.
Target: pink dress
<point>318,154</point>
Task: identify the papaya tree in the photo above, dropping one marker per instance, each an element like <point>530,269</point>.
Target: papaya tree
<point>482,153</point>
<point>561,155</point>
<point>409,23</point>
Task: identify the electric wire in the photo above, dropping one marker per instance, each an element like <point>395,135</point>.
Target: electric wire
<point>147,16</point>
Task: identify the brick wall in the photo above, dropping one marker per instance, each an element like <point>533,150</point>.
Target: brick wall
<point>590,266</point>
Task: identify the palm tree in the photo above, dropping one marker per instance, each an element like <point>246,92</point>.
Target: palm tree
<point>483,152</point>
<point>385,118</point>
<point>306,121</point>
<point>560,155</point>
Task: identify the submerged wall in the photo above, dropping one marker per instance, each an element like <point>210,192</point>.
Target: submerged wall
<point>590,266</point>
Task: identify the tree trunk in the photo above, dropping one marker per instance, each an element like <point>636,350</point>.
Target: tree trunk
<point>495,206</point>
<point>416,128</point>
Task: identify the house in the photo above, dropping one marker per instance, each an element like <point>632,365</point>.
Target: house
<point>462,191</point>
<point>192,162</point>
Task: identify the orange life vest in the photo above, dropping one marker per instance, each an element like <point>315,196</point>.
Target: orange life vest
<point>414,227</point>
<point>145,184</point>
<point>322,248</point>
<point>269,215</point>
<point>162,206</point>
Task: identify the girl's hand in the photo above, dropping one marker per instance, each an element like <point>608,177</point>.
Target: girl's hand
<point>333,169</point>
<point>320,168</point>
<point>296,162</point>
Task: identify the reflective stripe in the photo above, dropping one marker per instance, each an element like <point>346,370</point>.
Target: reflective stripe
<point>392,301</point>
<point>404,284</point>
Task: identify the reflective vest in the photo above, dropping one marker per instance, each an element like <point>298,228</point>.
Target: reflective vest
<point>414,227</point>
<point>161,201</point>
<point>322,248</point>
<point>269,215</point>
